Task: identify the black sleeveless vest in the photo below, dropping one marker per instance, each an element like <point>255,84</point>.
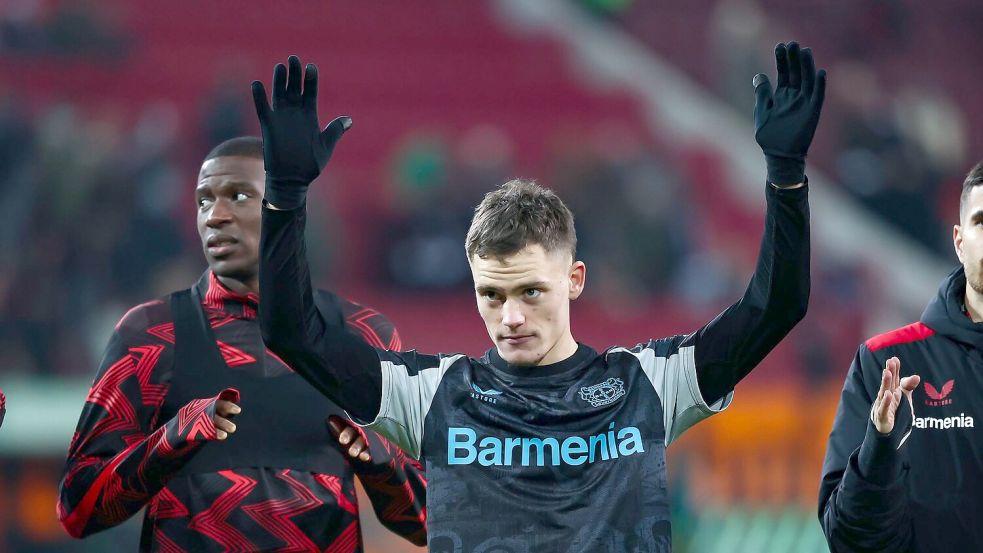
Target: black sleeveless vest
<point>282,424</point>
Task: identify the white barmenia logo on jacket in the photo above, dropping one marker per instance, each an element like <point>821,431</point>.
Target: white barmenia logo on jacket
<point>944,423</point>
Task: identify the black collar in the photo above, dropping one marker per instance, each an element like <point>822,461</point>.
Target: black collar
<point>582,356</point>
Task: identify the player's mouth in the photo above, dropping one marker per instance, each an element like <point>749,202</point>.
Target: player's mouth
<point>220,245</point>
<point>518,339</point>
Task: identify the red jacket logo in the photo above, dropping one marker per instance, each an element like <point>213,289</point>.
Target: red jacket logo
<point>936,397</point>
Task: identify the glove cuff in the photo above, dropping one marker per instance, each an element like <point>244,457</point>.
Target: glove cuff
<point>195,422</point>
<point>879,458</point>
<point>286,194</point>
<point>783,171</point>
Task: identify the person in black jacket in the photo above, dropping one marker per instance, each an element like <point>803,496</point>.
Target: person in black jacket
<point>904,462</point>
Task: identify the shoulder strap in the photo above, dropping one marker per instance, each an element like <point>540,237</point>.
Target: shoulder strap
<point>191,331</point>
<point>191,341</point>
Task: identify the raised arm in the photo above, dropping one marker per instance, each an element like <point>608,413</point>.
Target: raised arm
<point>295,150</point>
<point>785,120</point>
<point>118,460</point>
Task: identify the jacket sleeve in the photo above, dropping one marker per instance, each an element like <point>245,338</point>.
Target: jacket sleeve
<point>394,482</point>
<point>776,299</point>
<point>396,487</point>
<point>863,504</point>
<point>119,457</point>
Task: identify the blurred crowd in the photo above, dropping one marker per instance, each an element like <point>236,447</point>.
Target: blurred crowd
<point>90,224</point>
<point>64,29</point>
<point>96,217</point>
<point>891,135</point>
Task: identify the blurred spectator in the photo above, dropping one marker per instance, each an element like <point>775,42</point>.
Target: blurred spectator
<point>606,9</point>
<point>436,189</point>
<point>67,28</point>
<point>224,113</point>
<point>737,28</point>
<point>891,171</point>
<point>633,212</point>
<point>892,141</point>
<point>100,217</point>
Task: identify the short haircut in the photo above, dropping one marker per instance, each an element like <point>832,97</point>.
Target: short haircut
<point>241,146</point>
<point>974,178</point>
<point>518,214</point>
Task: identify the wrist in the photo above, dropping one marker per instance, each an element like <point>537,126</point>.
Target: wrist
<point>784,172</point>
<point>879,459</point>
<point>195,422</point>
<point>790,186</point>
<point>285,193</point>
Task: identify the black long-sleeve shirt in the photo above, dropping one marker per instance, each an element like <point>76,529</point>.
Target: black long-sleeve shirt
<point>920,488</point>
<point>564,457</point>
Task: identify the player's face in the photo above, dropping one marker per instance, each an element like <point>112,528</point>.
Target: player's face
<point>229,198</point>
<point>524,300</point>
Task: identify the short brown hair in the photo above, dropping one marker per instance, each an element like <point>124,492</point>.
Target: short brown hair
<point>517,214</point>
<point>974,178</point>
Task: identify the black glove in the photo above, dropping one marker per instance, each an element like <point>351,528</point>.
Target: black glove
<point>785,121</point>
<point>295,149</point>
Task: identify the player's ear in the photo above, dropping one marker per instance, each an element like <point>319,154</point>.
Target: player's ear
<point>957,241</point>
<point>578,277</point>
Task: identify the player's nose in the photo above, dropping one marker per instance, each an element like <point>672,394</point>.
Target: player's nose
<point>512,315</point>
<point>220,213</point>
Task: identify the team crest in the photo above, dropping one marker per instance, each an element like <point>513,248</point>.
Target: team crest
<point>604,393</point>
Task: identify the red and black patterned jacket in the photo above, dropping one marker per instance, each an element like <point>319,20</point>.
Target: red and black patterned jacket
<point>123,458</point>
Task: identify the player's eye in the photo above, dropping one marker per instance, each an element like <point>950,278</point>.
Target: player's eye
<point>533,293</point>
<point>240,196</point>
<point>203,203</point>
<point>490,295</point>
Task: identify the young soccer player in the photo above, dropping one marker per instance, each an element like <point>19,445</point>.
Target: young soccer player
<point>543,444</point>
<point>191,416</point>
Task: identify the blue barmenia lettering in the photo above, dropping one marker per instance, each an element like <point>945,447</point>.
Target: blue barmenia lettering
<point>464,448</point>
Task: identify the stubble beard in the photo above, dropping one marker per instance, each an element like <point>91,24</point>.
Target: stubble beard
<point>975,281</point>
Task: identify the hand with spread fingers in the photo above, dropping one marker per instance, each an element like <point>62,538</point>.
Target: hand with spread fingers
<point>785,118</point>
<point>295,148</point>
<point>889,396</point>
